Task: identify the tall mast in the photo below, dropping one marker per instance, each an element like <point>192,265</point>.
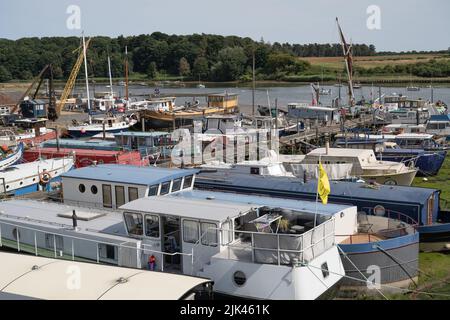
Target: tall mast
<point>87,80</point>
<point>347,51</point>
<point>253,84</point>
<point>110,77</point>
<point>126,73</point>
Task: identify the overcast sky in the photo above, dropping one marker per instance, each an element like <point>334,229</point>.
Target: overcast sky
<point>405,24</point>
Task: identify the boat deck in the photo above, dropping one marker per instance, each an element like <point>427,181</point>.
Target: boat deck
<point>362,238</point>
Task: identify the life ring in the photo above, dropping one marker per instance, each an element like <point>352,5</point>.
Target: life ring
<point>44,177</point>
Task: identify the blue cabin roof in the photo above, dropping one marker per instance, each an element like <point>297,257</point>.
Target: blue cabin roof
<point>411,201</point>
<point>128,174</point>
<point>142,134</point>
<point>440,117</point>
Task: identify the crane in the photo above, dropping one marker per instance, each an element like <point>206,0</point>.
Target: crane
<point>40,77</point>
<point>54,113</point>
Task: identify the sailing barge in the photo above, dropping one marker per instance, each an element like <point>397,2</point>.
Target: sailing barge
<point>223,103</point>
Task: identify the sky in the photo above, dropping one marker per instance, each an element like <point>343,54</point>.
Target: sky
<point>401,25</point>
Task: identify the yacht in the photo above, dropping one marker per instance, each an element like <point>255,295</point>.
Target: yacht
<point>108,124</point>
<point>364,165</point>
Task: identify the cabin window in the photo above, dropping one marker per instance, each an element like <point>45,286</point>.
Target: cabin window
<point>190,231</point>
<point>133,222</point>
<point>132,194</point>
<point>82,188</point>
<point>50,242</point>
<point>187,182</point>
<point>107,251</point>
<point>107,197</point>
<point>94,189</point>
<point>165,187</point>
<point>120,195</point>
<point>152,226</point>
<point>209,234</point>
<point>153,190</point>
<point>176,185</point>
<point>227,233</point>
<point>254,170</point>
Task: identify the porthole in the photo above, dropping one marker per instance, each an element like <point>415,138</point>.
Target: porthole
<point>239,278</point>
<point>94,189</point>
<point>7,187</point>
<point>82,188</point>
<point>21,183</point>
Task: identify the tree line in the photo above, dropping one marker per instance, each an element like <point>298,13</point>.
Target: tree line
<point>202,57</point>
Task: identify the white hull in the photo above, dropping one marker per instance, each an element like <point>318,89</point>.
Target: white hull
<point>265,281</point>
<point>27,174</point>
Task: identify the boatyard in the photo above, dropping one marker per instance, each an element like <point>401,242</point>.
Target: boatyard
<point>211,167</point>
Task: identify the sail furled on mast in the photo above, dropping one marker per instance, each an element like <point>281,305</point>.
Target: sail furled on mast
<point>348,56</point>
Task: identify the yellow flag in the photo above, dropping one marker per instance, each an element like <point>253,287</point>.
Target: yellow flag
<point>323,185</point>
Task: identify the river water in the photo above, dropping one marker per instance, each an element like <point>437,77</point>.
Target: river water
<point>284,94</point>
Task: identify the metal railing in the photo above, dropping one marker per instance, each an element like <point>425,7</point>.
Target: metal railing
<point>70,254</point>
<point>279,251</point>
<point>393,214</point>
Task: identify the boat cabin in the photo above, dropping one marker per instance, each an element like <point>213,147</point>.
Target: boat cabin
<point>305,111</point>
<point>111,186</point>
<point>221,123</point>
<point>148,143</point>
<point>223,100</point>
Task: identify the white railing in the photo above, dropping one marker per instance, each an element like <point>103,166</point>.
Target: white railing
<point>64,253</point>
<point>281,249</point>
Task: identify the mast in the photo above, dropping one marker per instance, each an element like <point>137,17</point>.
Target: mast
<point>126,73</point>
<point>253,84</point>
<point>110,77</point>
<point>87,79</point>
<point>348,56</point>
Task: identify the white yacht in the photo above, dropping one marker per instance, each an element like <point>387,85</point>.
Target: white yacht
<point>364,164</point>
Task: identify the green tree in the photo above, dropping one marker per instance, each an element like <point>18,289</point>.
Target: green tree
<point>152,70</point>
<point>201,69</point>
<point>5,75</point>
<point>184,69</point>
<point>230,65</point>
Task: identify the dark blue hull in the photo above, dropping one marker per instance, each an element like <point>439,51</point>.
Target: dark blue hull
<point>429,163</point>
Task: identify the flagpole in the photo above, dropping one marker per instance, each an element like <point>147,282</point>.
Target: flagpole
<point>317,192</point>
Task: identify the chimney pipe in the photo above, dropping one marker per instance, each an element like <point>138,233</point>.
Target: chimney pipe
<point>74,220</point>
<point>327,146</point>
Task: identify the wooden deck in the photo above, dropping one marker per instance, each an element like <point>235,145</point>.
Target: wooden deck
<point>362,238</point>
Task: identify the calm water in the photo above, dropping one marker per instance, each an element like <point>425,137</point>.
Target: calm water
<point>283,93</point>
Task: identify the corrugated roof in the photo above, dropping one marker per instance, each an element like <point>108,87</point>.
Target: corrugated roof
<point>128,174</point>
<point>142,134</point>
<point>44,278</point>
<point>214,210</point>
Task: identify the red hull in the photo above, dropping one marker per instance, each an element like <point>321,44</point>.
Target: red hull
<point>84,158</point>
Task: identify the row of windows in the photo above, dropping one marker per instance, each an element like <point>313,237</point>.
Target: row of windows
<point>164,188</point>
<point>133,194</point>
<point>192,230</point>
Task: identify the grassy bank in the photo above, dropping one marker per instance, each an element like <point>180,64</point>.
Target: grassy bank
<point>440,181</point>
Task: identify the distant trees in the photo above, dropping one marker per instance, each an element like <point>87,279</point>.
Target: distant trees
<point>230,65</point>
<point>204,56</point>
<point>5,75</point>
<point>184,68</point>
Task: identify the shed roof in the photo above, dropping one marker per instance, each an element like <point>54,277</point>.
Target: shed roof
<point>44,278</point>
<point>128,174</point>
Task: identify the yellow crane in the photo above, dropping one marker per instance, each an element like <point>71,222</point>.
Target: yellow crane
<point>69,84</point>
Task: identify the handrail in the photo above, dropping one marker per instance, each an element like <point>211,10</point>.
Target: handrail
<point>409,220</point>
<point>97,242</point>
